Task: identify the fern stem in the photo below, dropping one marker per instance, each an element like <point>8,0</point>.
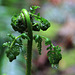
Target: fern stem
<point>29,45</point>
<point>14,40</point>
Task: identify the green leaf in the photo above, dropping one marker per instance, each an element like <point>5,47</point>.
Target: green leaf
<point>23,35</point>
<point>12,36</point>
<point>38,40</point>
<point>54,56</point>
<point>35,7</point>
<point>44,24</point>
<point>36,27</point>
<point>38,14</point>
<point>13,52</point>
<point>6,44</point>
<point>17,23</point>
<point>47,41</point>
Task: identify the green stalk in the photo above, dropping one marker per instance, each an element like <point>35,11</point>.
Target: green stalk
<point>14,41</point>
<point>29,45</point>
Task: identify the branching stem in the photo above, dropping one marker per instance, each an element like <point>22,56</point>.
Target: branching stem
<point>14,41</point>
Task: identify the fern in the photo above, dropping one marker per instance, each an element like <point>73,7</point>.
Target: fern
<point>25,23</point>
<point>14,47</point>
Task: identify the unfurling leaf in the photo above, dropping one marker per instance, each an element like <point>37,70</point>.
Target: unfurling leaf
<point>38,40</point>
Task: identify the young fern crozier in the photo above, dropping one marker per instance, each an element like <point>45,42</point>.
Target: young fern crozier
<point>25,23</point>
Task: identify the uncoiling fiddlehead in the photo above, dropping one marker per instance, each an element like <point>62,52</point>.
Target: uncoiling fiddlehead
<point>25,23</point>
<point>42,24</point>
<point>18,22</point>
<point>54,53</point>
